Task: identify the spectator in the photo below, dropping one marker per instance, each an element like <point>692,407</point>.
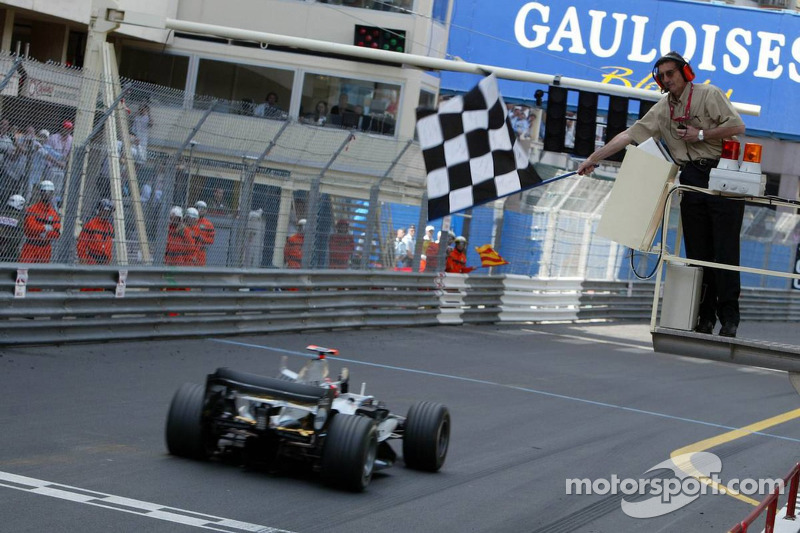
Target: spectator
<point>519,122</point>
<point>320,115</point>
<point>343,106</point>
<point>42,226</point>
<point>19,161</point>
<point>293,251</point>
<point>11,219</point>
<point>42,158</point>
<point>411,243</point>
<point>270,109</point>
<point>205,233</point>
<point>97,236</point>
<point>341,246</point>
<point>457,258</point>
<point>218,205</point>
<point>140,126</point>
<point>400,249</point>
<point>61,143</point>
<point>180,245</point>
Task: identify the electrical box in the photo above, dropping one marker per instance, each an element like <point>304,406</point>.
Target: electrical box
<point>736,181</point>
<point>681,301</point>
<point>634,209</point>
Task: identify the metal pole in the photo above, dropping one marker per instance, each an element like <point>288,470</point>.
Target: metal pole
<point>309,248</point>
<point>372,214</point>
<point>169,192</point>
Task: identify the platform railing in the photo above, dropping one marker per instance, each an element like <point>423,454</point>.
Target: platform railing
<point>770,504</point>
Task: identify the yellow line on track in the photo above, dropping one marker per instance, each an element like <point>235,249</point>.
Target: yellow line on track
<point>707,444</point>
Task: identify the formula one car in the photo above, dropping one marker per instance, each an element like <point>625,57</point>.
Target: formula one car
<point>304,416</point>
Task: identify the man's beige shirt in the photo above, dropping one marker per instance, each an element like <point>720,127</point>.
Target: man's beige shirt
<point>710,109</point>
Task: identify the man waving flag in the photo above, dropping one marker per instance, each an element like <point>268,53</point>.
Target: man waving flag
<point>471,153</point>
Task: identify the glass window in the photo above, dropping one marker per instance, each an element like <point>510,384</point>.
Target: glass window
<point>154,67</point>
<point>258,91</point>
<point>378,5</point>
<point>439,13</point>
<point>427,99</point>
<point>347,103</point>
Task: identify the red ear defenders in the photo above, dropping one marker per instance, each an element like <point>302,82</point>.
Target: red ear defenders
<point>685,68</point>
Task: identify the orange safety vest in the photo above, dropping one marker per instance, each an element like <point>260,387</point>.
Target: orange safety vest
<point>431,263</point>
<point>293,251</point>
<point>204,234</point>
<point>94,242</point>
<point>37,247</point>
<point>340,249</point>
<point>457,263</point>
<point>181,250</point>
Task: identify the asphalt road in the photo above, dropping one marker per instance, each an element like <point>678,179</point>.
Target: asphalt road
<point>82,446</point>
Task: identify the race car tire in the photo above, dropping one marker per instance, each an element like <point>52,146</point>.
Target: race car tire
<point>348,456</point>
<point>184,432</point>
<point>427,436</point>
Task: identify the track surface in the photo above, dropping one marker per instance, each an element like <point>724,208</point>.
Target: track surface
<point>82,445</point>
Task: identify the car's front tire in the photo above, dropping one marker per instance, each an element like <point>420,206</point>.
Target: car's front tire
<point>185,433</point>
<point>427,436</point>
<point>348,456</point>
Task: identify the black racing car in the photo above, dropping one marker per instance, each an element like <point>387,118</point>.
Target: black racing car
<point>305,416</point>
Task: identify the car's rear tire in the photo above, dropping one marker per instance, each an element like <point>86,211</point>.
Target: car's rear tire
<point>427,436</point>
<point>348,456</point>
<point>185,433</point>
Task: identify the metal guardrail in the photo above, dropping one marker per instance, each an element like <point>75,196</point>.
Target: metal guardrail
<point>65,303</point>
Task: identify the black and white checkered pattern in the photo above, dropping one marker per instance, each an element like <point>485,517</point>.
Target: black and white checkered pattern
<point>471,153</point>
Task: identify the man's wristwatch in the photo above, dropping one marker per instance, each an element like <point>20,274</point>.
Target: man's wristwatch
<point>700,136</point>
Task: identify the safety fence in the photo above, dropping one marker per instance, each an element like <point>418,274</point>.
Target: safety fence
<point>152,148</point>
<point>51,304</point>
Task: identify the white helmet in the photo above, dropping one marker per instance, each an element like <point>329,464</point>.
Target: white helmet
<point>17,201</point>
<point>200,204</point>
<point>176,211</point>
<point>301,222</point>
<point>47,185</point>
<point>461,239</point>
<point>191,212</point>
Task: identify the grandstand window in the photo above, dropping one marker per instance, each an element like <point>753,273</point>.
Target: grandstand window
<point>154,67</point>
<point>368,105</point>
<point>247,86</point>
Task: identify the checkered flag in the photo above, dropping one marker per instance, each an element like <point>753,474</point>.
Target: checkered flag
<point>471,152</point>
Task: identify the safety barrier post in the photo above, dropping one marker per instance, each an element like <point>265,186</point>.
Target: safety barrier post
<point>66,244</point>
<point>309,241</point>
<point>372,215</point>
<point>169,192</point>
<point>246,196</point>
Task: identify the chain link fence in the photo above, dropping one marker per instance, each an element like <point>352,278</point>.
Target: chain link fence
<point>274,192</point>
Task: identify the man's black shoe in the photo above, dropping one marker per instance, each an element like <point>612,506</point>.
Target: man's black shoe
<point>705,326</point>
<point>728,329</point>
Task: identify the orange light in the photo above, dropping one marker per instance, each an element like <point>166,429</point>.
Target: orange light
<point>752,153</point>
<point>730,150</point>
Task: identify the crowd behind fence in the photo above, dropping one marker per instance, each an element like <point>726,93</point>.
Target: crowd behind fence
<point>193,184</point>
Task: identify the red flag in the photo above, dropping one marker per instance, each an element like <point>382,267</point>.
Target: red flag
<point>490,258</point>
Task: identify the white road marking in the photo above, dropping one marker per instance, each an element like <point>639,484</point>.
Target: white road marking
<point>128,505</point>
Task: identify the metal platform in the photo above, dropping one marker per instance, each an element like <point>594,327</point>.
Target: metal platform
<point>758,353</point>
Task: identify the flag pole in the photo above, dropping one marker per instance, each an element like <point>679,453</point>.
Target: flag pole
<point>561,177</point>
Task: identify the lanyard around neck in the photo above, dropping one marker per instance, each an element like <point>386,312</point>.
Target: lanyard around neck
<point>685,116</point>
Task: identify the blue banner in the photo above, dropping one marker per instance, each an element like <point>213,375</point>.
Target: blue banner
<point>751,54</point>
